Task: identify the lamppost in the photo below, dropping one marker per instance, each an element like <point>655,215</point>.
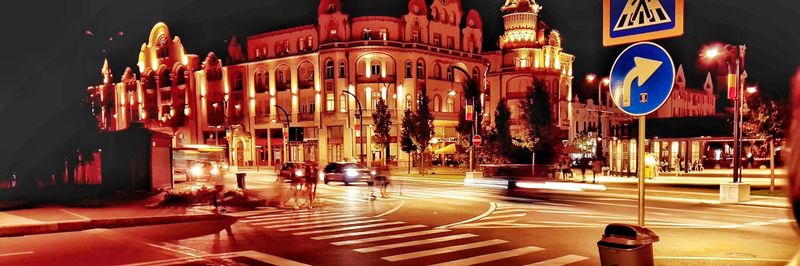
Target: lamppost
<point>734,59</point>
<point>474,117</point>
<point>288,127</point>
<point>387,85</point>
<point>603,82</point>
<point>360,123</point>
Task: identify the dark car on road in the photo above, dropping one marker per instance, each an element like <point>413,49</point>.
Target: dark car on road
<point>291,170</point>
<point>347,173</point>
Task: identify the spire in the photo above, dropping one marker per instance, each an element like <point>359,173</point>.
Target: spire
<point>709,84</point>
<point>106,71</point>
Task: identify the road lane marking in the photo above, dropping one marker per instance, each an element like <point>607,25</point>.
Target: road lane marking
<point>563,260</point>
<point>443,250</point>
<point>371,232</point>
<point>491,257</point>
<point>414,243</point>
<point>16,253</point>
<point>336,201</point>
<point>492,207</point>
<point>392,210</point>
<point>331,225</point>
<point>317,224</point>
<point>504,216</point>
<point>382,238</point>
<point>288,219</point>
<point>782,221</point>
<point>347,228</point>
<point>250,214</point>
<point>509,210</point>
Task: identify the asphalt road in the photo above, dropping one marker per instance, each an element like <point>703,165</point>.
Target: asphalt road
<point>426,222</point>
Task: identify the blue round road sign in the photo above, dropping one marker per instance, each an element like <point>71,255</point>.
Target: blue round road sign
<point>642,78</point>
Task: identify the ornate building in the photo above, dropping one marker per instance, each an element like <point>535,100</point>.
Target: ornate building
<point>308,71</point>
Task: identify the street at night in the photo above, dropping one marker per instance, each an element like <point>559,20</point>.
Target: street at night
<point>400,132</point>
<point>430,221</point>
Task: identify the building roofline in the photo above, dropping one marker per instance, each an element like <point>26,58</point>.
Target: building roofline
<point>281,31</point>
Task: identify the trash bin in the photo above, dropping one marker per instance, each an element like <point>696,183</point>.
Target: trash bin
<point>240,180</point>
<point>624,245</point>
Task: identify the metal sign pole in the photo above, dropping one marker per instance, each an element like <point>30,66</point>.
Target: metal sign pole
<point>640,172</point>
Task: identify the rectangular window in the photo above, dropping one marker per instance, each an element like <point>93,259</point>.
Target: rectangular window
<point>367,34</point>
<point>437,40</point>
<point>451,43</point>
<point>408,70</point>
<point>343,102</point>
<point>383,35</point>
<point>301,44</point>
<point>342,70</point>
<point>376,69</point>
<point>420,71</point>
<point>415,36</point>
<point>330,103</point>
<point>312,107</point>
<point>332,35</point>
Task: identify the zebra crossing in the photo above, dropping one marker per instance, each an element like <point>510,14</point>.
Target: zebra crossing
<point>398,241</point>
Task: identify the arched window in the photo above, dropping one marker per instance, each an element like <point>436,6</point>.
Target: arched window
<point>416,32</point>
<point>453,18</point>
<point>262,80</point>
<point>437,103</point>
<point>180,77</point>
<point>437,71</point>
<point>329,69</point>
<point>333,31</point>
<point>475,74</point>
<point>449,106</point>
<point>342,69</point>
<point>165,79</point>
<point>408,69</point>
<point>420,69</point>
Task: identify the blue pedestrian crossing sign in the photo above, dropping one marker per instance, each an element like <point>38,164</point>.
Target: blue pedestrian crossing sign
<point>629,21</point>
<point>642,78</point>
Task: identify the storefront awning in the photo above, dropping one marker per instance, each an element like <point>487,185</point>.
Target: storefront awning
<point>449,149</point>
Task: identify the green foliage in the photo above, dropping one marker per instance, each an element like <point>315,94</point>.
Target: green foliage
<point>383,122</point>
<point>502,121</point>
<point>423,120</point>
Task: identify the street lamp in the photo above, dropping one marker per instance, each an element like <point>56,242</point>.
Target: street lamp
<point>288,127</point>
<point>603,82</point>
<point>361,124</point>
<point>474,115</point>
<point>734,57</point>
<point>752,89</point>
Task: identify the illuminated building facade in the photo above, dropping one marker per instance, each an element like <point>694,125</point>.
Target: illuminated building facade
<point>305,71</point>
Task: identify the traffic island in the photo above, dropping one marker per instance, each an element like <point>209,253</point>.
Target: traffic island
<point>734,192</point>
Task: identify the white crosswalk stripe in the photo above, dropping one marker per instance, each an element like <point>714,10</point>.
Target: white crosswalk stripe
<point>361,233</point>
<point>437,251</point>
<point>382,238</point>
<point>286,219</point>
<point>317,224</point>
<point>414,243</point>
<point>346,228</point>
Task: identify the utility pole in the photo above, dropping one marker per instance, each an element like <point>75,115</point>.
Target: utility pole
<point>361,124</point>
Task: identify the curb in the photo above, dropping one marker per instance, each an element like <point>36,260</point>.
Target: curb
<point>79,225</point>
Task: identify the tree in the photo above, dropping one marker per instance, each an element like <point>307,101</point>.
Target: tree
<point>538,115</point>
<point>423,120</point>
<point>765,118</point>
<point>382,120</point>
<point>502,122</point>
<point>584,142</point>
<point>406,140</point>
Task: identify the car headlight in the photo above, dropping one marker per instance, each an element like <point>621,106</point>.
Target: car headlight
<point>215,171</point>
<point>298,173</point>
<point>197,170</point>
<point>351,173</point>
<point>373,172</point>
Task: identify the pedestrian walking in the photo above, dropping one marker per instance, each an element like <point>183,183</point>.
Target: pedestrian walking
<point>597,167</point>
<point>219,187</point>
<point>311,180</point>
<point>583,163</point>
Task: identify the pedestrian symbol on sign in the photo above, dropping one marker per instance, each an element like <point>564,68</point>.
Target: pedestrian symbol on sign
<point>641,13</point>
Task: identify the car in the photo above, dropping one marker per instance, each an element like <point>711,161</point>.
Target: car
<point>347,173</point>
<point>291,170</point>
<point>204,170</point>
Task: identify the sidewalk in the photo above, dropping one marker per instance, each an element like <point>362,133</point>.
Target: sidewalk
<point>104,213</point>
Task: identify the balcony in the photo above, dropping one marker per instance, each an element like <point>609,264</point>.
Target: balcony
<point>376,79</point>
<point>305,117</point>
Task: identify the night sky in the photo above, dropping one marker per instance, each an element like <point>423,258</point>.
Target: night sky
<point>48,59</point>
